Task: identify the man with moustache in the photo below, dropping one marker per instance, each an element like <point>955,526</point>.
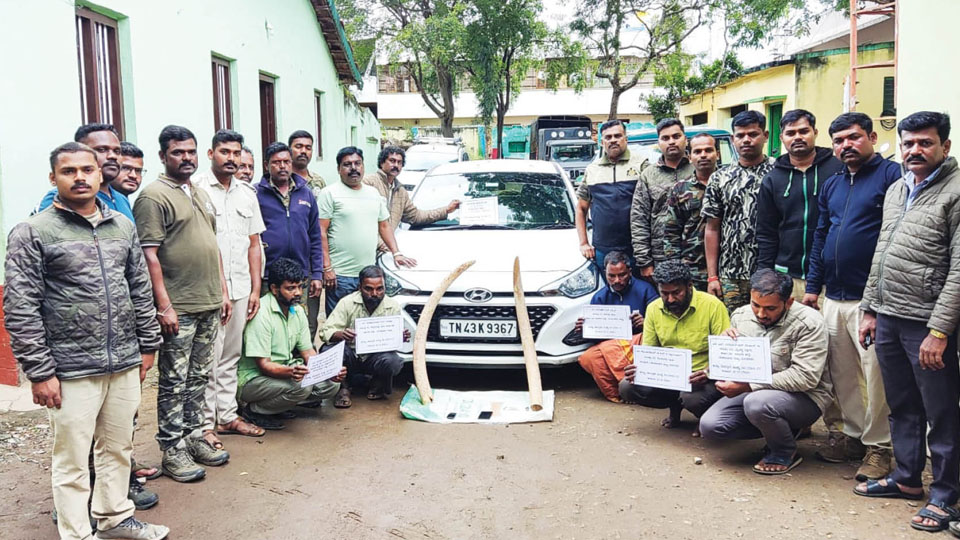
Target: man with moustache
<point>245,168</point>
<point>239,225</point>
<point>105,142</point>
<point>683,225</point>
<point>177,227</point>
<point>851,211</point>
<point>606,195</point>
<point>290,214</point>
<point>269,374</point>
<point>131,169</point>
<point>911,306</point>
<point>353,216</point>
<point>401,208</point>
<point>649,205</point>
<point>787,208</point>
<point>730,206</point>
<point>301,150</point>
<point>374,370</point>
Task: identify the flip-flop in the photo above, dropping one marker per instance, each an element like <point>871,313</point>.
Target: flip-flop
<point>342,401</point>
<point>889,491</point>
<point>789,464</point>
<point>247,429</point>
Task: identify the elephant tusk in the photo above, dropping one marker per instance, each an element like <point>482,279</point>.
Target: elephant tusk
<point>526,340</point>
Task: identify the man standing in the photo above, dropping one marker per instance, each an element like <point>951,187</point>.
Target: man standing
<point>245,169</point>
<point>352,217</point>
<point>730,206</point>
<point>910,309</point>
<point>401,208</point>
<point>81,323</point>
<point>605,360</point>
<point>289,212</point>
<point>800,389</point>
<point>374,370</point>
<point>681,318</point>
<point>683,225</point>
<point>177,227</point>
<point>269,374</point>
<point>851,212</point>
<point>105,142</point>
<point>131,170</point>
<point>238,236</point>
<point>787,209</point>
<point>607,189</point>
<point>648,208</point>
<point>301,150</point>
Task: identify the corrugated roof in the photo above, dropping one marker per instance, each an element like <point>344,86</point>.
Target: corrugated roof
<point>337,42</point>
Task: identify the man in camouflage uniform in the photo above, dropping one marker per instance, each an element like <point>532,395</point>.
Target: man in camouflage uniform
<point>176,223</point>
<point>730,206</point>
<point>649,205</point>
<point>301,150</point>
<point>683,226</point>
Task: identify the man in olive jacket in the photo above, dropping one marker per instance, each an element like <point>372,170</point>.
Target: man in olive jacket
<point>79,310</point>
<point>911,305</point>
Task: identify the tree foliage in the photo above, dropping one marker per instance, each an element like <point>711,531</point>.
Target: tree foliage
<point>677,80</point>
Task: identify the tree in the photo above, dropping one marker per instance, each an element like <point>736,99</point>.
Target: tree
<point>676,83</point>
<point>665,24</point>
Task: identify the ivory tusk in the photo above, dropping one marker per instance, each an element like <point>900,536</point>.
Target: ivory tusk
<point>526,341</point>
<point>420,337</point>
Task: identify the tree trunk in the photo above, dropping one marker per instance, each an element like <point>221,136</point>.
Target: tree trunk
<point>500,116</point>
<point>614,103</point>
<point>446,94</point>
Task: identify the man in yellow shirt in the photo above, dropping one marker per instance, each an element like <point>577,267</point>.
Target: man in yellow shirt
<point>681,318</point>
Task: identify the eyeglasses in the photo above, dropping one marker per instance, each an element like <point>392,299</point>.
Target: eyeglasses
<point>126,169</point>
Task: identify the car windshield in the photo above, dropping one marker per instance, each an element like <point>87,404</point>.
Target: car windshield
<point>424,161</point>
<point>572,152</point>
<point>522,200</point>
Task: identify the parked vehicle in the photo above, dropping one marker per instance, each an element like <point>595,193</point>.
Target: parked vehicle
<point>516,142</point>
<point>644,143</point>
<point>567,140</point>
<point>426,153</point>
<point>475,323</point>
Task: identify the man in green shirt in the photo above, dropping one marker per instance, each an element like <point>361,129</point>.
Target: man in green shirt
<point>375,370</point>
<point>268,375</point>
<point>681,318</point>
<point>353,216</point>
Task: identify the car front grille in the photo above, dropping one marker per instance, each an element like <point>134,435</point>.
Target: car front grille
<point>539,315</point>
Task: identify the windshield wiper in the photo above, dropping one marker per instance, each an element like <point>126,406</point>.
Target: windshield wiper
<point>560,225</point>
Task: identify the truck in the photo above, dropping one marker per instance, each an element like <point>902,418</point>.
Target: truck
<point>568,140</point>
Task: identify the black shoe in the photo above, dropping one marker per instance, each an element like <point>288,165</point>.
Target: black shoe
<point>262,420</point>
<point>142,498</point>
<point>286,415</point>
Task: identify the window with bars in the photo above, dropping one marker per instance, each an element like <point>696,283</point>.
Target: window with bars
<point>318,106</point>
<point>222,112</point>
<point>98,58</point>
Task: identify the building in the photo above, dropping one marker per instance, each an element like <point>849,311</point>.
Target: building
<point>928,40</point>
<point>263,69</point>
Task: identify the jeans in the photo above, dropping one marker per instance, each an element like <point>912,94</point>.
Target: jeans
<point>345,286</point>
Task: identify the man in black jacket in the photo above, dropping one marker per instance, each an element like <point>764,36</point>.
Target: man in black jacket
<point>787,209</point>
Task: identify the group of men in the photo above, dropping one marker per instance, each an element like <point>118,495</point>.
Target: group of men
<point>205,273</point>
<point>848,262</point>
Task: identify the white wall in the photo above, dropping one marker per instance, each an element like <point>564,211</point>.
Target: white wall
<point>927,78</point>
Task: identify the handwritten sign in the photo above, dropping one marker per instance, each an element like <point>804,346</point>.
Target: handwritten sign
<point>323,366</point>
<point>480,211</point>
<point>745,359</point>
<point>378,334</point>
<point>663,367</point>
<point>607,322</point>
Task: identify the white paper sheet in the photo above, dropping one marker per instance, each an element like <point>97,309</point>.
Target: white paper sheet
<point>745,359</point>
<point>323,366</point>
<point>663,367</point>
<point>378,334</point>
<point>607,322</point>
<point>480,211</point>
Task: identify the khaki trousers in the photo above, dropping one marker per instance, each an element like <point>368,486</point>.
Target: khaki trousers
<point>857,382</point>
<point>98,409</point>
<point>220,396</point>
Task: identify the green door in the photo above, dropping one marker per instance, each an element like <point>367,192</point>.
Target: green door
<point>774,113</point>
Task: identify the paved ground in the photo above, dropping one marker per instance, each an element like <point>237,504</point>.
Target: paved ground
<point>599,470</point>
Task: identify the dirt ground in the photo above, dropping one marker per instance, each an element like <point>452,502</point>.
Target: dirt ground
<point>599,470</point>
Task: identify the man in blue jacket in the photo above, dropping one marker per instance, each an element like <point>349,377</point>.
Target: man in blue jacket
<point>787,211</point>
<point>851,210</point>
<point>292,222</point>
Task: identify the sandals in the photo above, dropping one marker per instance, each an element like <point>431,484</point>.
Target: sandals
<point>214,441</point>
<point>943,521</point>
<point>262,420</point>
<point>239,426</point>
<point>139,467</point>
<point>790,464</point>
<point>343,401</point>
<point>890,491</point>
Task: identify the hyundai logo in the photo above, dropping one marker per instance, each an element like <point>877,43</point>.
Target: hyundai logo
<point>478,296</point>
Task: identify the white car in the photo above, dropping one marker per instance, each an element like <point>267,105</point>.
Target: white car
<point>425,155</point>
<point>522,208</point>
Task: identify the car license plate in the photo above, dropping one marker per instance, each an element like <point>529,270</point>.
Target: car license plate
<point>478,328</point>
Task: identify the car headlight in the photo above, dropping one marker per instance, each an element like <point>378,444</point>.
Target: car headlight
<point>392,283</point>
<point>581,281</point>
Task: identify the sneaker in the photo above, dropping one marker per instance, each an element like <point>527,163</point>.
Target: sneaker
<point>134,529</point>
<point>178,464</point>
<point>142,497</point>
<point>876,464</point>
<point>205,453</point>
